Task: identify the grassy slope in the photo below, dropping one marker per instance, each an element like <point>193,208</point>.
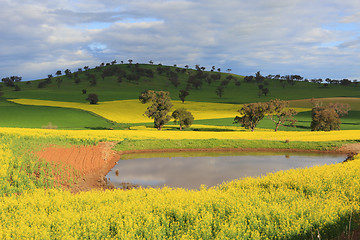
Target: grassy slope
<point>108,89</point>
<point>16,115</point>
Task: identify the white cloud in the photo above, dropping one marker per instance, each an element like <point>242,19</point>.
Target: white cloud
<point>274,36</point>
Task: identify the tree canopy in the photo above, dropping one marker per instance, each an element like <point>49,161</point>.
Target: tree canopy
<point>327,117</point>
<point>280,113</point>
<point>160,107</point>
<point>251,114</point>
<point>183,117</point>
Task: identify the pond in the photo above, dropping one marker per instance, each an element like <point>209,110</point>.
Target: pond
<point>190,170</point>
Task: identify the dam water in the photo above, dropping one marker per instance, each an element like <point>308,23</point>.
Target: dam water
<point>190,170</point>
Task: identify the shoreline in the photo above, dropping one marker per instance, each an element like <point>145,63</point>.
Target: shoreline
<point>94,162</point>
<point>100,176</point>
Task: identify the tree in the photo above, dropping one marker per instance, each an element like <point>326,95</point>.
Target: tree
<point>58,73</point>
<point>280,113</point>
<point>92,98</point>
<point>183,117</point>
<point>220,91</point>
<point>265,91</point>
<point>327,117</point>
<point>160,107</point>
<point>183,93</point>
<point>251,114</point>
<point>92,80</point>
<point>83,91</point>
<point>59,82</point>
<point>259,78</point>
<point>68,73</point>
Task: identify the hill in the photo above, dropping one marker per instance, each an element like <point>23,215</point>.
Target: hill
<point>126,81</point>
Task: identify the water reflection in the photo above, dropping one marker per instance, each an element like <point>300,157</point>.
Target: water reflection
<point>191,170</point>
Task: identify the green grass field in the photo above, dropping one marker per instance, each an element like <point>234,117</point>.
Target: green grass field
<point>16,115</point>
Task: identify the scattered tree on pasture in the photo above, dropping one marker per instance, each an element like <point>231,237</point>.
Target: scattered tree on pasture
<point>92,80</point>
<point>183,117</point>
<point>219,91</point>
<point>41,84</point>
<point>237,82</point>
<point>92,98</point>
<point>280,113</point>
<point>59,82</point>
<point>83,91</point>
<point>58,73</point>
<point>265,91</point>
<point>160,107</point>
<point>327,117</point>
<point>251,114</point>
<point>183,93</point>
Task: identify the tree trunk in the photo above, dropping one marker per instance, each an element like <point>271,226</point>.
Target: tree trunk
<point>180,127</point>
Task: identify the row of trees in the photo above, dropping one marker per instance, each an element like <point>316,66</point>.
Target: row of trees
<point>161,106</point>
<point>325,117</point>
<point>277,110</point>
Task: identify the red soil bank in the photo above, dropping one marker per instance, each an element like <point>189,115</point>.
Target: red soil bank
<point>92,162</point>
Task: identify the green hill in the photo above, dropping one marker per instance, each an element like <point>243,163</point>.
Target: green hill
<point>126,81</point>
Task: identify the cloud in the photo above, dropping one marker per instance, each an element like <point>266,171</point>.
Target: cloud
<point>310,38</point>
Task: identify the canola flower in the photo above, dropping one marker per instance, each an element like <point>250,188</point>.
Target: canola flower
<point>114,110</point>
<point>293,204</point>
<point>92,136</point>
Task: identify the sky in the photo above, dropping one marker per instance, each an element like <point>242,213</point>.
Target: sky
<point>311,38</point>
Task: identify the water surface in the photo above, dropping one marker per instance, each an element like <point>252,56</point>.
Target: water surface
<point>192,169</point>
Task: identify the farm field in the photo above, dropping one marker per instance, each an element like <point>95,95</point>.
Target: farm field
<point>250,204</point>
<point>52,180</point>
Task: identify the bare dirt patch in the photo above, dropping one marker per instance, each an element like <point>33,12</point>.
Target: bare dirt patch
<point>91,162</point>
<point>351,148</point>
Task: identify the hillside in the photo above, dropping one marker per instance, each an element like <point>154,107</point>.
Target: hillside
<point>125,82</point>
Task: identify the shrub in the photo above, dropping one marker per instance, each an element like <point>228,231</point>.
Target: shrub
<point>92,98</point>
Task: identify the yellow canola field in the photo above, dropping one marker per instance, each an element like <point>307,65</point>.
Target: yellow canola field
<point>294,204</point>
<point>118,135</point>
<point>132,111</point>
